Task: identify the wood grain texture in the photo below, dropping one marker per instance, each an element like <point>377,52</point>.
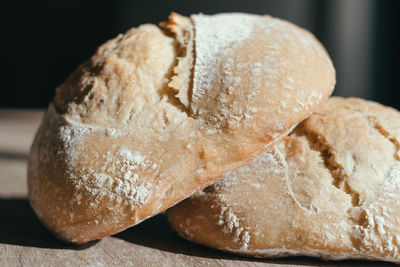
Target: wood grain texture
<point>25,242</point>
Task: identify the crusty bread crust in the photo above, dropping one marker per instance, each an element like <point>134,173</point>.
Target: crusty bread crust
<point>156,115</point>
<point>330,189</point>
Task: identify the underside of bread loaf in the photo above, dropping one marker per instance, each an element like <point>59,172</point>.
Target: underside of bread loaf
<point>330,189</point>
<point>158,114</point>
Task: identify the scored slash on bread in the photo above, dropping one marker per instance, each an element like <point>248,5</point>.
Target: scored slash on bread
<point>330,189</point>
<point>158,114</point>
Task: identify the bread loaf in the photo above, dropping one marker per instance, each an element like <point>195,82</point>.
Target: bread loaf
<point>157,114</point>
<point>330,189</point>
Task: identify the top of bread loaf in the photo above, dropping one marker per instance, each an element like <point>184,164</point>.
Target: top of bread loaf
<point>157,114</point>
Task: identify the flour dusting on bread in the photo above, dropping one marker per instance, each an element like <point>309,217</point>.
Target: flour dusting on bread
<point>214,35</point>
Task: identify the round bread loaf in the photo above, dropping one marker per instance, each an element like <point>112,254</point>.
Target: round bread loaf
<point>158,114</point>
<point>331,189</point>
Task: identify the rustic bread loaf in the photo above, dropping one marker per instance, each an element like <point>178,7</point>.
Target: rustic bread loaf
<point>158,114</point>
<point>331,189</point>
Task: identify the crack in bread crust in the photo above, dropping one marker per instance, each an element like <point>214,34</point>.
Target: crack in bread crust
<point>181,79</point>
<point>319,144</point>
<point>377,126</point>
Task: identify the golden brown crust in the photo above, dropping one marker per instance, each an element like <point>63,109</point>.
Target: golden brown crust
<point>153,117</point>
<point>330,189</point>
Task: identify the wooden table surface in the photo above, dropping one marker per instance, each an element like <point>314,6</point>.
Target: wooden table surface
<point>25,242</point>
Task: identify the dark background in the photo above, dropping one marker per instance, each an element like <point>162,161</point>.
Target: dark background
<point>43,41</point>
